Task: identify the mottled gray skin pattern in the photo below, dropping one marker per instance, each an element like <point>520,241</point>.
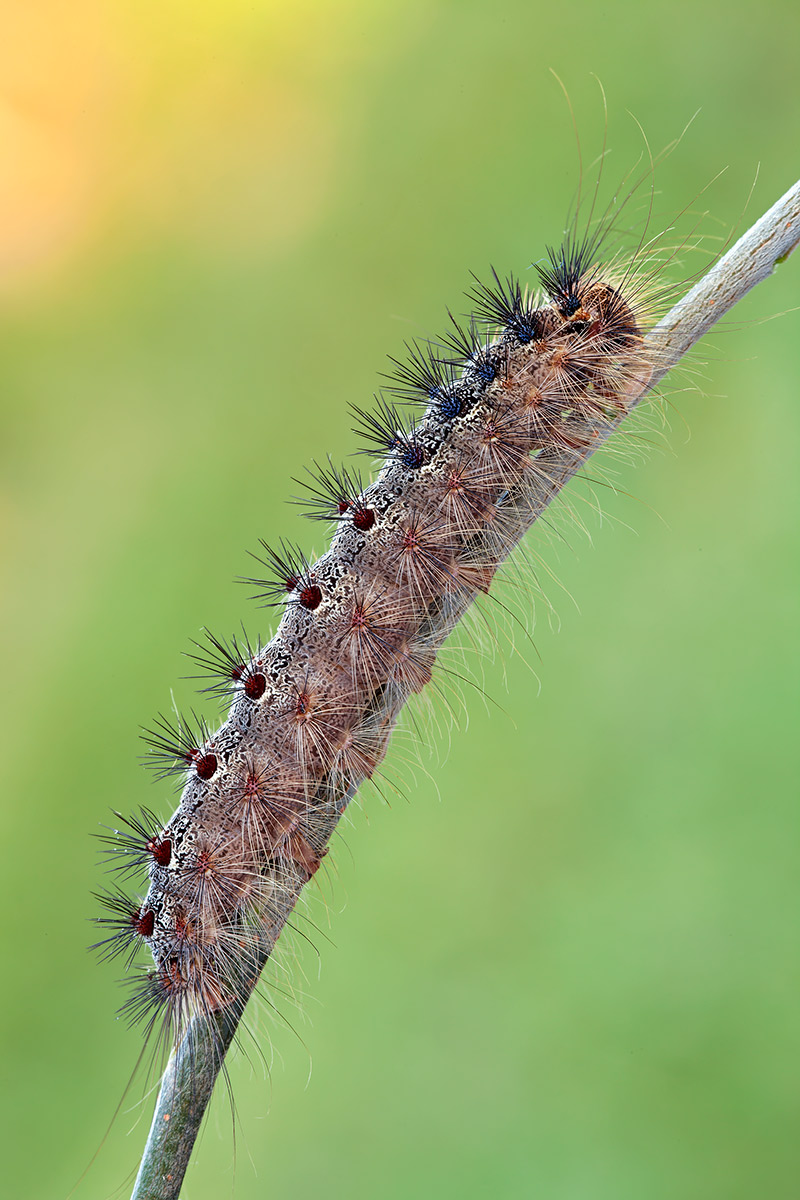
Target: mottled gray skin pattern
<point>246,840</point>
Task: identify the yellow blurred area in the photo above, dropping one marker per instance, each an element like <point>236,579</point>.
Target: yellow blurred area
<point>55,92</point>
<point>157,112</point>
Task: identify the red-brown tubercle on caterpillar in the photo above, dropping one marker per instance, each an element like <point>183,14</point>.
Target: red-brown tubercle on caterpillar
<point>427,534</point>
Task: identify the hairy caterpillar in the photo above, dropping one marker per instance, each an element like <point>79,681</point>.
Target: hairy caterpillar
<point>514,401</point>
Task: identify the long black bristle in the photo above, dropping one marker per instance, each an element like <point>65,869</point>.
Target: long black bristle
<point>568,264</point>
<point>386,435</point>
<point>225,661</point>
<point>127,850</point>
<point>505,303</point>
<point>288,570</point>
<point>149,1003</point>
<point>424,375</point>
<point>123,938</point>
<point>332,493</point>
<point>174,745</point>
<point>470,350</point>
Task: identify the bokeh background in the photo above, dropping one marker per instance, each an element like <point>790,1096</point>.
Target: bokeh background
<point>563,962</point>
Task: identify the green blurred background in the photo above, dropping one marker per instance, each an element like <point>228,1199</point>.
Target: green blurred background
<point>564,963</point>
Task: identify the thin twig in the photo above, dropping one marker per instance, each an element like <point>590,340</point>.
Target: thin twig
<point>194,1066</point>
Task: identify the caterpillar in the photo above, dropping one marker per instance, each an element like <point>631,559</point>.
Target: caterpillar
<point>504,409</point>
